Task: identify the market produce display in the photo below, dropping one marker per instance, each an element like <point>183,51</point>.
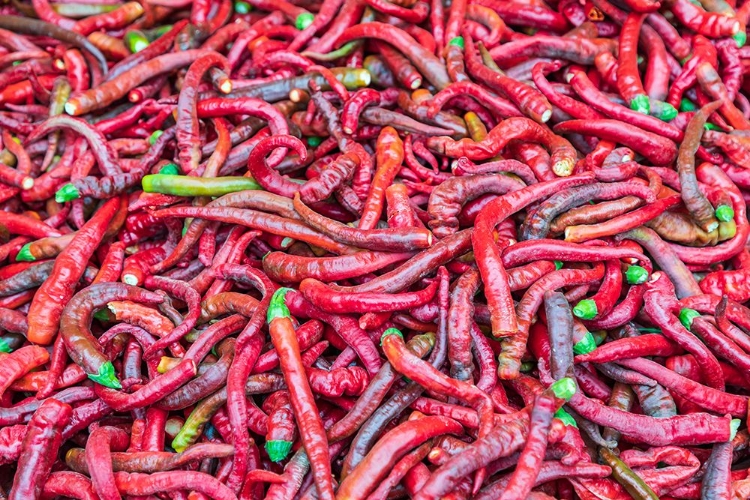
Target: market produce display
<point>374,249</point>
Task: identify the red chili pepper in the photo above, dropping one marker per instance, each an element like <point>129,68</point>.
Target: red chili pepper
<point>303,404</point>
<point>39,449</point>
<point>47,307</point>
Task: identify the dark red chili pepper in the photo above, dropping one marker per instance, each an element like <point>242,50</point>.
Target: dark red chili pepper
<point>658,150</point>
<point>39,449</point>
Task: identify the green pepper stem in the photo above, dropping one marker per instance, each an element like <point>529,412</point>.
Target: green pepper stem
<point>24,255</point>
<point>277,308</point>
<point>278,450</point>
<point>687,316</point>
<point>391,331</point>
<point>585,345</point>
<point>564,388</point>
<point>586,309</point>
<point>67,193</point>
<point>640,103</point>
<point>106,376</point>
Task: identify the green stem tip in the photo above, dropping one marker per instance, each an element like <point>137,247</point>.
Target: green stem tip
<point>586,309</point>
<point>24,255</point>
<point>241,7</point>
<point>564,388</point>
<point>565,417</point>
<point>154,136</point>
<point>278,450</point>
<point>734,426</point>
<point>667,112</point>
<point>640,103</point>
<point>458,42</point>
<point>740,37</point>
<point>136,41</point>
<point>103,315</point>
<point>67,193</point>
<point>390,331</point>
<point>4,346</point>
<point>527,367</point>
<point>303,20</point>
<point>169,169</point>
<point>687,105</point>
<point>277,308</point>
<point>687,316</point>
<point>724,213</point>
<point>636,275</point>
<point>106,376</point>
<point>585,345</point>
<point>558,265</point>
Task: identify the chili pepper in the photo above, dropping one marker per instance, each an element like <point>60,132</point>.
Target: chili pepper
<point>147,484</point>
<point>640,141</point>
<point>332,301</point>
<point>604,299</point>
<point>717,482</point>
<point>694,200</point>
<point>20,362</point>
<point>393,343</point>
<point>81,345</point>
<point>580,51</point>
<point>47,307</point>
<point>62,33</point>
<point>487,254</point>
<point>311,429</point>
<point>710,24</point>
<point>281,430</point>
<point>445,201</point>
<point>426,63</point>
<point>585,88</point>
<point>530,102</point>
<point>278,225</point>
<point>545,406</point>
<point>98,452</point>
<point>632,483</point>
<point>389,158</point>
<point>39,450</point>
<point>203,412</point>
<point>118,86</point>
<point>501,442</point>
<point>393,239</point>
<point>65,483</point>
<point>702,395</point>
<point>628,80</point>
<point>538,222</point>
<point>535,16</point>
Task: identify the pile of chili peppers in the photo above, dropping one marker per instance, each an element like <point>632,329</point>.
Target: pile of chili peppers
<point>374,249</point>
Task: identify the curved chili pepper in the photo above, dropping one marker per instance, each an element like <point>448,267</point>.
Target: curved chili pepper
<point>118,86</point>
<point>74,326</point>
<point>47,306</point>
<point>40,446</point>
<point>430,67</point>
<point>513,128</point>
<point>710,24</point>
<point>446,200</point>
<point>20,362</point>
<point>658,150</point>
<point>392,239</point>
